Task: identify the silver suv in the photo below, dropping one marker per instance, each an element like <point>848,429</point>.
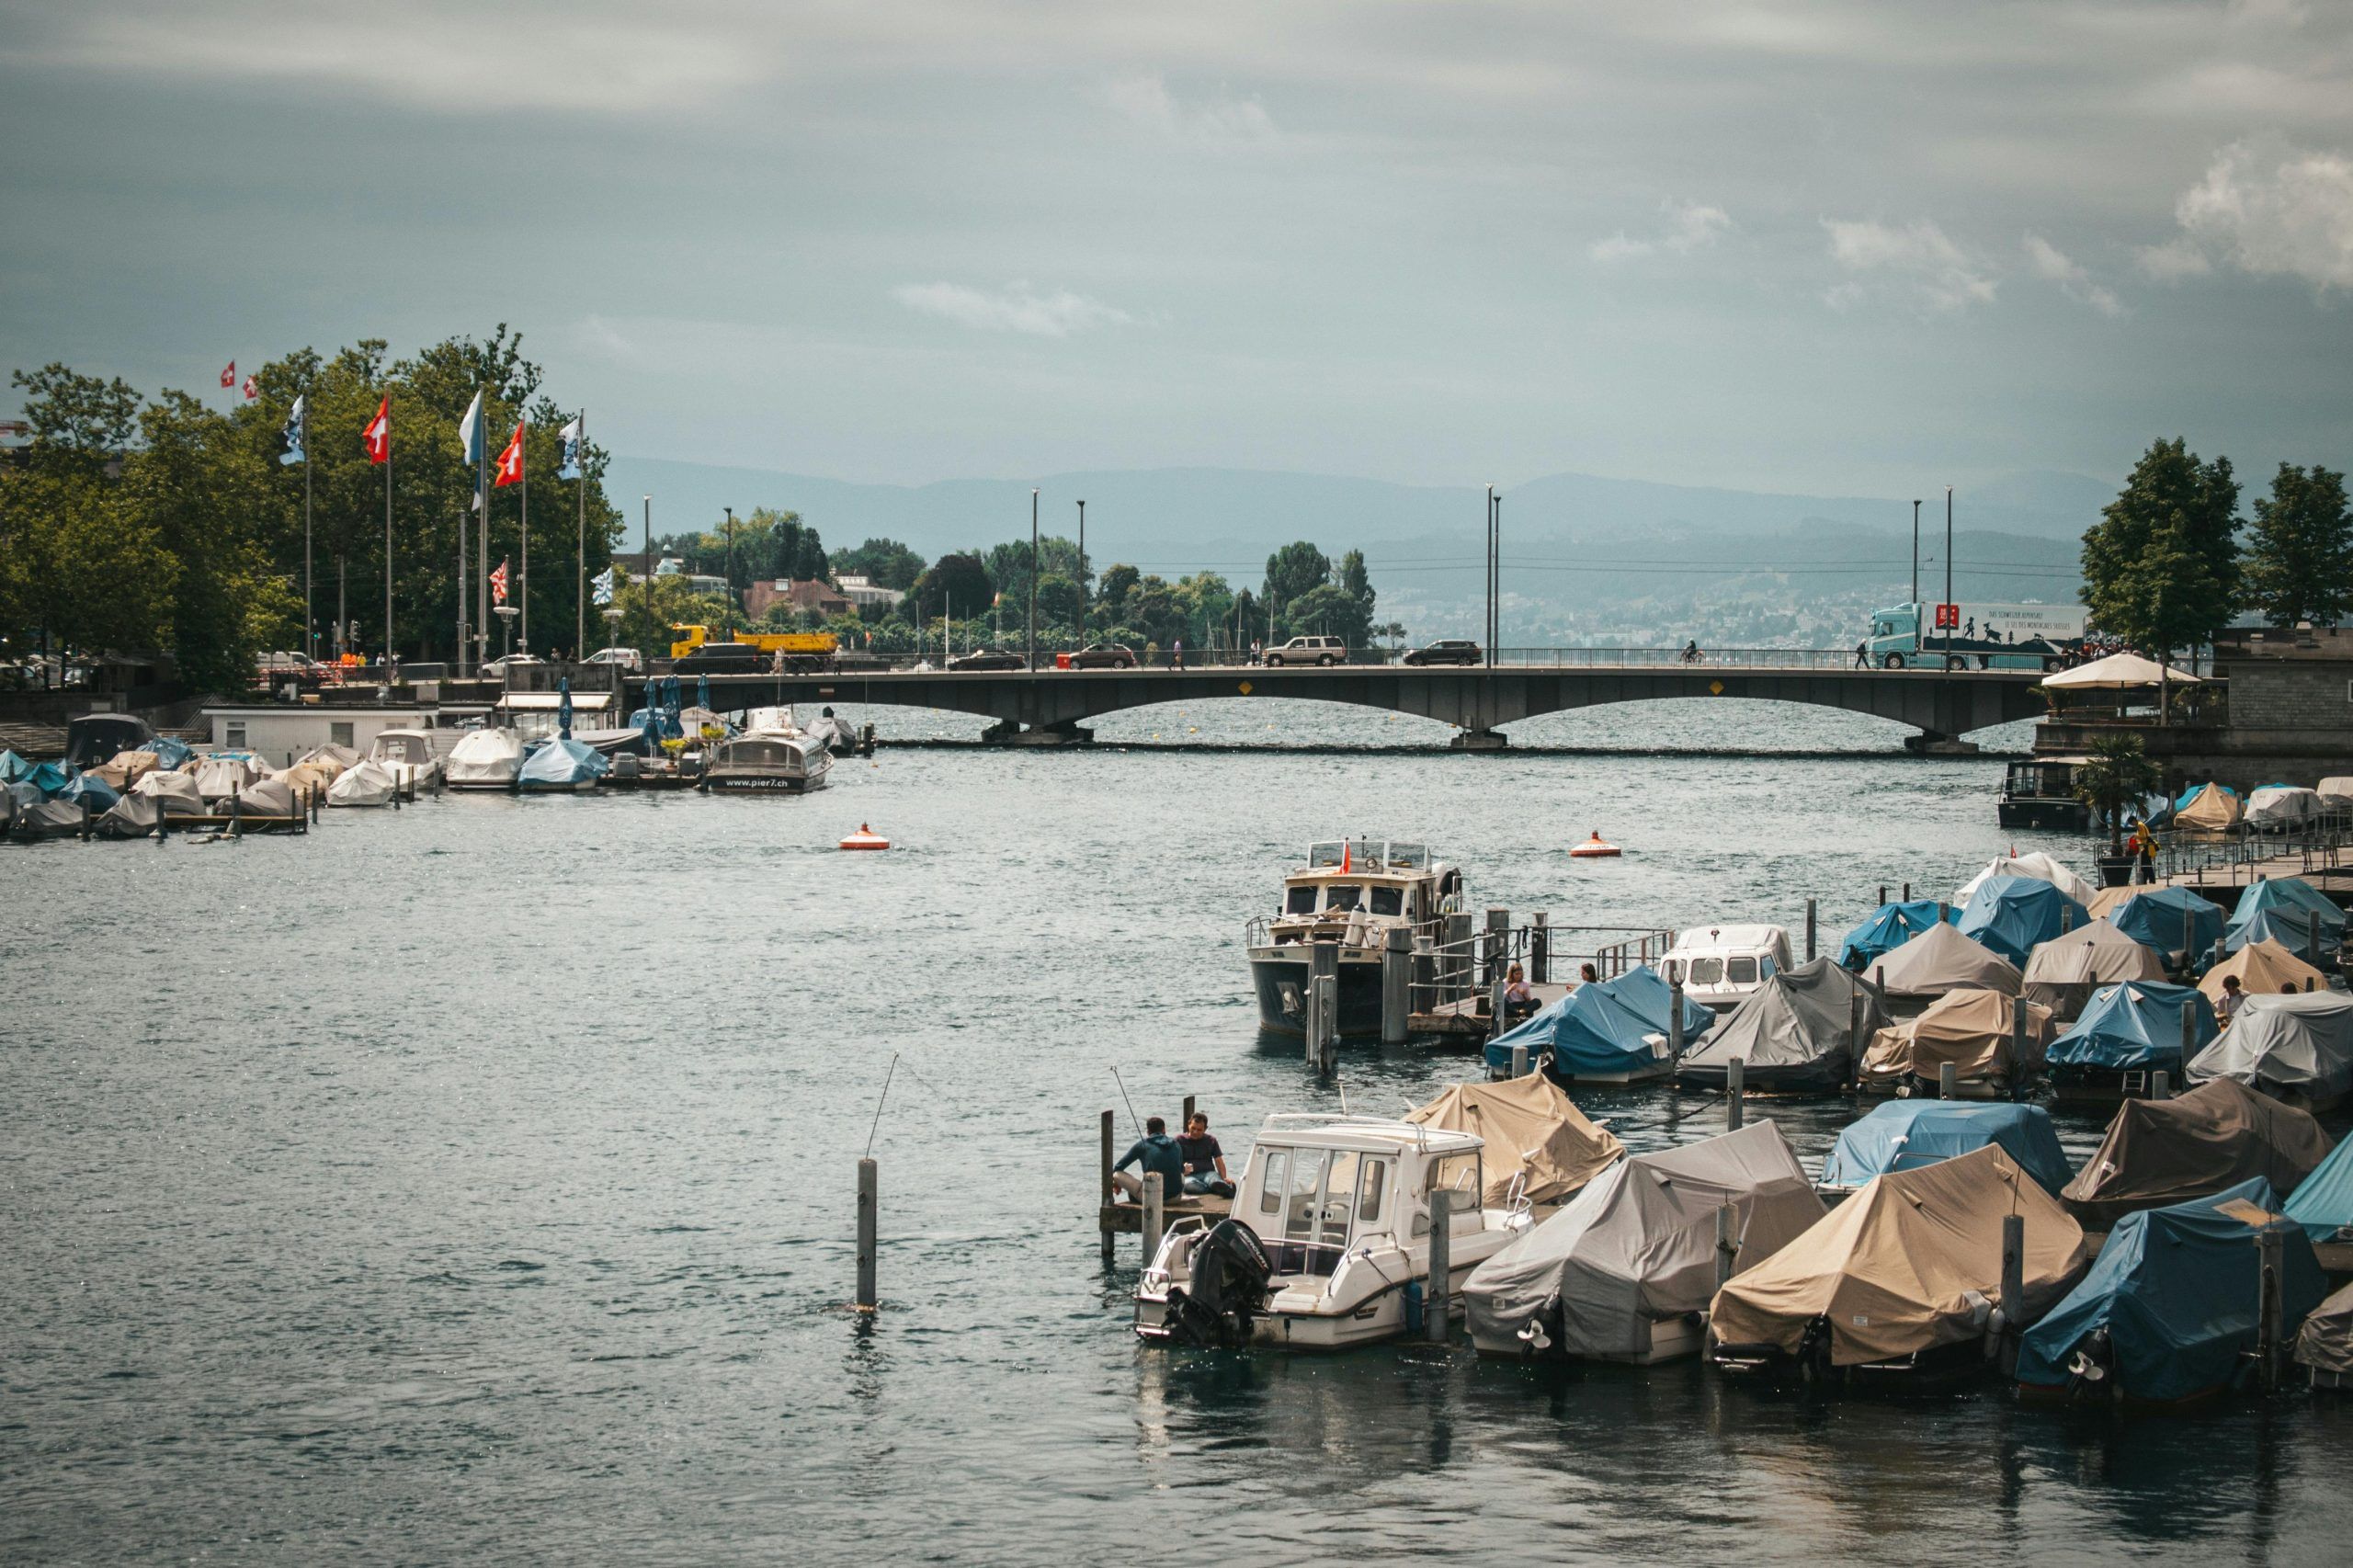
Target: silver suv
<point>1309,651</point>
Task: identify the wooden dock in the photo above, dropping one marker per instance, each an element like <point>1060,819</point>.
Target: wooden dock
<point>1469,1019</point>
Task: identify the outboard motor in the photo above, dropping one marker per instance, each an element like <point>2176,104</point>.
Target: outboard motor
<point>1230,1271</point>
<point>2091,1371</point>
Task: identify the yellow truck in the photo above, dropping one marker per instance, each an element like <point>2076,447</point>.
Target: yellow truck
<point>792,644</point>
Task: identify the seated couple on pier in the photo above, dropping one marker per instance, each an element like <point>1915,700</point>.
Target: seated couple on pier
<point>1189,1166</point>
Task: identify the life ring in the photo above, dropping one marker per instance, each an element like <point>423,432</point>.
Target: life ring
<point>1595,848</point>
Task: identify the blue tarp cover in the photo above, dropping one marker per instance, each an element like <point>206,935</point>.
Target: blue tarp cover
<point>1887,928</point>
<point>2323,1201</point>
<point>49,777</point>
<point>560,763</point>
<point>2154,919</point>
<point>13,767</point>
<point>2135,1024</point>
<point>1600,1028</point>
<point>2178,1292</point>
<point>2276,909</point>
<point>1903,1135</point>
<point>2012,916</point>
<point>99,793</point>
<point>170,752</point>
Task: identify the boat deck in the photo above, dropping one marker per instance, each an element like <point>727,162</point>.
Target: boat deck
<point>1127,1219</point>
<point>1468,1019</point>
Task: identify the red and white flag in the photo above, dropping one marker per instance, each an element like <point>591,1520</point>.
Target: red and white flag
<point>253,389</point>
<point>509,467</point>
<point>229,376</point>
<point>498,584</point>
<point>378,437</point>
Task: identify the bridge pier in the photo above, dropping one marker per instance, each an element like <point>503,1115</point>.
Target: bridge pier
<point>1010,733</point>
<point>1479,740</point>
<point>1927,742</point>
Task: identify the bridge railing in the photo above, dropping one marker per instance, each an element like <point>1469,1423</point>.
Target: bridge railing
<point>1194,659</point>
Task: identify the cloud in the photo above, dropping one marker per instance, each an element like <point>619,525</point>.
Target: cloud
<point>1016,309</point>
<point>2266,209</point>
<point>2048,261</point>
<point>1146,101</point>
<point>1690,227</point>
<point>1918,255</point>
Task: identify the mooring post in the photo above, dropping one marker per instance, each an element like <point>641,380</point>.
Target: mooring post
<point>1498,946</point>
<point>2160,1085</point>
<point>1948,1080</point>
<point>1329,986</point>
<point>2013,1274</point>
<point>1323,962</point>
<point>1674,1018</point>
<point>1735,1093</point>
<point>1882,893</point>
<point>2188,942</point>
<point>1396,984</point>
<point>1809,930</point>
<point>2268,1242</point>
<point>866,1229</point>
<point>1437,1297</point>
<point>1497,1008</point>
<point>2020,1019</point>
<point>1457,960</point>
<point>1152,1222</point>
<point>1426,968</point>
<point>1727,1241</point>
<point>1540,949</point>
<point>1944,912</point>
<point>1855,1024</point>
<point>1907,892</point>
<point>2311,938</point>
<point>1188,1112</point>
<point>2066,918</point>
<point>1519,1059</point>
<point>1105,1223</point>
<point>235,821</point>
<point>88,817</point>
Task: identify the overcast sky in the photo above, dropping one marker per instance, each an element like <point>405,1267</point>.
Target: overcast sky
<point>1858,247</point>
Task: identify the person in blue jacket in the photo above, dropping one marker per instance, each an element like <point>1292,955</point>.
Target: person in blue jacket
<point>1155,1151</point>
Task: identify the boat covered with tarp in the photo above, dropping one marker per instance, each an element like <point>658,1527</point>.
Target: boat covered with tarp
<point>2013,916</point>
<point>1539,1146</point>
<point>125,769</point>
<point>2289,911</point>
<point>2217,1135</point>
<point>88,788</point>
<point>1900,1282</point>
<point>222,773</point>
<point>2283,806</point>
<point>562,763</point>
<point>2208,808</point>
<point>2175,921</point>
<point>2034,864</point>
<point>43,818</point>
<point>133,817</point>
<point>2062,972</point>
<point>1797,1033</point>
<point>2173,1305</point>
<point>1606,1031</point>
<point>1937,961</point>
<point>2127,1031</point>
<point>177,791</point>
<point>13,767</point>
<point>1623,1271</point>
<point>2298,1049</point>
<point>2263,969</point>
<point>1891,926</point>
<point>2323,1205</point>
<point>1903,1135</point>
<point>267,798</point>
<point>484,759</point>
<point>365,783</point>
<point>1975,1031</point>
<point>2325,1344</point>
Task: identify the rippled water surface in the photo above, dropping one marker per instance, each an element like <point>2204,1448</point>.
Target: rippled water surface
<point>475,1182</point>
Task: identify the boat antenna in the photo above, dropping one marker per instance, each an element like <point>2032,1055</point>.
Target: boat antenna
<point>1134,1120</point>
<point>878,1105</point>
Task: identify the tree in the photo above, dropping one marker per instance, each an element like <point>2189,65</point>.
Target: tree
<point>957,580</point>
<point>1293,570</point>
<point>1111,597</point>
<point>1326,610</point>
<point>2161,566</point>
<point>651,607</point>
<point>76,412</point>
<point>2118,776</point>
<point>2300,558</point>
<point>885,562</point>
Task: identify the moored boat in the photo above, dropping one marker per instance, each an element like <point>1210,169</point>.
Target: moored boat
<point>1350,893</point>
<point>771,761</point>
<point>484,759</point>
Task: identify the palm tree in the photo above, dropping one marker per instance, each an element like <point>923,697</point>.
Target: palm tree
<point>2119,775</point>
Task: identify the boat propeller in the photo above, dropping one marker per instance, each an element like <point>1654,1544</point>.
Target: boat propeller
<point>1534,1336</point>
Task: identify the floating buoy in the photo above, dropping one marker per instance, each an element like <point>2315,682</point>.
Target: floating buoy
<point>866,838</point>
<point>1595,848</point>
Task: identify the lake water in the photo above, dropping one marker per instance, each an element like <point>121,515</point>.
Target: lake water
<point>475,1182</point>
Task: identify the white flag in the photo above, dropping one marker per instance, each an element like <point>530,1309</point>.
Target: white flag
<point>469,429</point>
<point>603,583</point>
<point>570,435</point>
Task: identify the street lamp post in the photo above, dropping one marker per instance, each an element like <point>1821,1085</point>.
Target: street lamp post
<point>1033,582</point>
<point>1081,573</point>
<point>508,613</point>
<point>731,561</point>
<point>1949,610</point>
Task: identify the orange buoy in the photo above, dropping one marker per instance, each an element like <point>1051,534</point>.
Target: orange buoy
<point>866,838</point>
<point>1595,848</point>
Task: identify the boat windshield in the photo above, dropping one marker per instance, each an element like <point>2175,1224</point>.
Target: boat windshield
<point>1342,895</point>
<point>1416,857</point>
<point>403,748</point>
<point>1740,970</point>
<point>1299,900</point>
<point>1708,972</point>
<point>1388,900</point>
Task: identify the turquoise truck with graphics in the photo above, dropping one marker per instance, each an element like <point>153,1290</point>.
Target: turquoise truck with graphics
<point>1973,636</point>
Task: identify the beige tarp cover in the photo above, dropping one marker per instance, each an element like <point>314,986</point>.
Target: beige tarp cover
<point>2062,972</point>
<point>2265,968</point>
<point>2210,810</point>
<point>2108,900</point>
<point>2326,1343</point>
<point>1968,1028</point>
<point>1911,1262</point>
<point>1940,959</point>
<point>2033,863</point>
<point>2218,1134</point>
<point>1530,1125</point>
<point>127,769</point>
<point>2119,672</point>
<point>176,791</point>
<point>305,776</point>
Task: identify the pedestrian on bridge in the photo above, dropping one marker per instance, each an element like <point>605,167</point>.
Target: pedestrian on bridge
<point>1863,654</point>
<point>1176,654</point>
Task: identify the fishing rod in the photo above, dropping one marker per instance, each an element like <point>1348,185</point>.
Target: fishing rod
<point>1134,1120</point>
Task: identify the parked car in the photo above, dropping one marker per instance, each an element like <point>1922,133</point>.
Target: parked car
<point>499,667</point>
<point>722,659</point>
<point>628,659</point>
<point>1446,650</point>
<point>988,659</point>
<point>1103,656</point>
<point>1309,651</point>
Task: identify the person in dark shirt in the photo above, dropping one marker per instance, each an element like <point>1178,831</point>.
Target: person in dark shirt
<point>1155,1151</point>
<point>1204,1161</point>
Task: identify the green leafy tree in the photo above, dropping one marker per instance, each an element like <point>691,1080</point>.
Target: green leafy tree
<point>958,580</point>
<point>1110,604</point>
<point>1293,570</point>
<point>2118,776</point>
<point>651,607</point>
<point>1326,610</point>
<point>2300,555</point>
<point>2161,567</point>
<point>885,562</point>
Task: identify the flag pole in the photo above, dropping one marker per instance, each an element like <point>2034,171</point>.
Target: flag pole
<point>310,615</point>
<point>481,540</point>
<point>388,550</point>
<point>580,464</point>
<point>523,479</point>
<point>459,663</point>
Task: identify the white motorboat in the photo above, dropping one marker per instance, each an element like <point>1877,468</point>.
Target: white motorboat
<point>771,755</point>
<point>1350,893</point>
<point>1721,966</point>
<point>484,759</point>
<point>409,756</point>
<point>1328,1243</point>
<point>369,784</point>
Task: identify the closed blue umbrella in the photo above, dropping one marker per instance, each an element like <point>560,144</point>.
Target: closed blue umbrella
<point>564,708</point>
<point>702,692</point>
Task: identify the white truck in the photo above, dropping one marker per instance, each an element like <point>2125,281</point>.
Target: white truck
<point>1985,636</point>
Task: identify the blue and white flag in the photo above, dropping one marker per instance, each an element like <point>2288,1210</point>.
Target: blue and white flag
<point>570,435</point>
<point>469,429</point>
<point>291,443</point>
<point>603,585</point>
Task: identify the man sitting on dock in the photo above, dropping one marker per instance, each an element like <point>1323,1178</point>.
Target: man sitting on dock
<point>1155,1151</point>
<point>1204,1161</point>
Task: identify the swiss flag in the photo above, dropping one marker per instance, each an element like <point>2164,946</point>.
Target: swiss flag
<point>229,376</point>
<point>378,437</point>
<point>510,461</point>
<point>253,390</point>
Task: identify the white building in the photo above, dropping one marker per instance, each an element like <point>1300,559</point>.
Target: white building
<point>862,590</point>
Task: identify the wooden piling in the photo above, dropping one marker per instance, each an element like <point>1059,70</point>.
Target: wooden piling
<point>1426,970</point>
<point>1674,1018</point>
<point>1944,912</point>
<point>2013,1312</point>
<point>1519,1059</point>
<point>1540,949</point>
<point>2020,1019</point>
<point>1855,1026</point>
<point>2066,918</point>
<point>2268,1242</point>
<point>1154,1224</point>
<point>1727,1241</point>
<point>1907,892</point>
<point>1883,895</point>
<point>1948,1080</point>
<point>1438,1296</point>
<point>1497,946</point>
<point>1456,960</point>
<point>1323,962</point>
<point>1329,986</point>
<point>867,1199</point>
<point>1396,984</point>
<point>1809,930</point>
<point>1498,1011</point>
<point>1106,1186</point>
<point>1735,1093</point>
<point>2160,1085</point>
<point>1188,1122</point>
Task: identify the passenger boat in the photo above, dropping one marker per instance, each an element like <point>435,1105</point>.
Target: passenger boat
<point>1351,894</point>
<point>773,756</point>
<point>2041,793</point>
<point>1328,1243</point>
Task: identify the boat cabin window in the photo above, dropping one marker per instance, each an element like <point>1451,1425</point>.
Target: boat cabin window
<point>1740,970</point>
<point>1457,1173</point>
<point>1370,1189</point>
<point>1300,1197</point>
<point>1299,900</point>
<point>1270,1185</point>
<point>1414,855</point>
<point>1704,971</point>
<point>1341,896</point>
<point>1388,900</point>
